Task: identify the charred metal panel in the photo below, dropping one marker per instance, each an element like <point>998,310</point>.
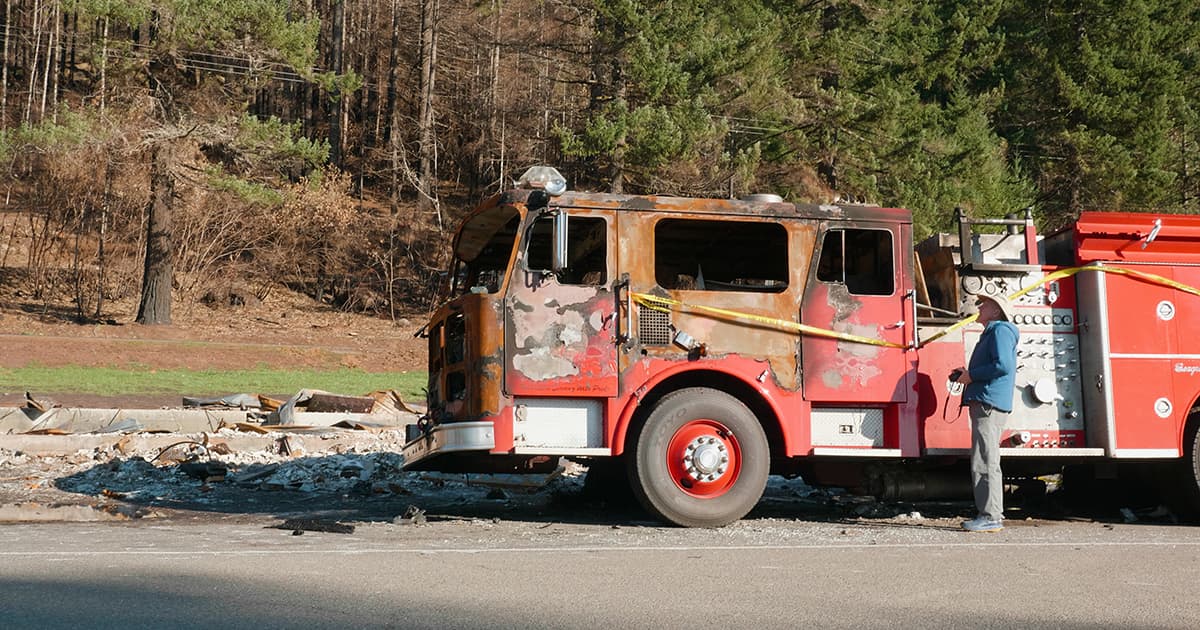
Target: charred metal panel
<point>837,370</point>
<point>733,207</point>
<point>647,374</point>
<point>754,334</point>
<point>560,338</point>
<point>464,359</point>
<point>944,421</point>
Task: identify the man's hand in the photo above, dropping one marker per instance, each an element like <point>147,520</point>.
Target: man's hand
<point>960,375</point>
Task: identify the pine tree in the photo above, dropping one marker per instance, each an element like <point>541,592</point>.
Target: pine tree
<point>180,30</point>
<point>1100,101</point>
<point>911,89</point>
<point>664,79</point>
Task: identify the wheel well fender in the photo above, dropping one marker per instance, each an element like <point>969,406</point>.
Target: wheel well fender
<point>1191,424</point>
<point>755,398</point>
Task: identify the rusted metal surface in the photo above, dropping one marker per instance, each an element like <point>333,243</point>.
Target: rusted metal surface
<point>537,336</point>
<point>334,402</point>
<point>733,207</point>
<point>561,340</point>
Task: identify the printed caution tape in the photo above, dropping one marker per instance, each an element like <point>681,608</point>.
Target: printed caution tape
<point>1066,273</point>
<point>666,305</point>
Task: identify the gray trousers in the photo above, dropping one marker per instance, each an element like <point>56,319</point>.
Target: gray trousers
<point>987,423</point>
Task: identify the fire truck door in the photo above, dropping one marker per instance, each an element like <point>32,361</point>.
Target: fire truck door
<point>858,287</point>
<point>559,328</point>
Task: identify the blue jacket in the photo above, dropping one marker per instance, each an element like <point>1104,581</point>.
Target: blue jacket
<point>993,366</point>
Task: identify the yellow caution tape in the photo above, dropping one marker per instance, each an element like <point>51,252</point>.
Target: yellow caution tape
<point>1142,275</point>
<point>666,305</point>
<point>1066,273</point>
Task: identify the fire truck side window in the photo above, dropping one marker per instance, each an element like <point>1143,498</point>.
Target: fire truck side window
<point>861,259</point>
<point>720,255</point>
<point>587,249</point>
<point>485,245</point>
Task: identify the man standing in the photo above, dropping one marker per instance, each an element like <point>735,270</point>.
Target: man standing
<point>988,395</point>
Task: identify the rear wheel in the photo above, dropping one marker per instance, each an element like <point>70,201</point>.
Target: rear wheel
<point>701,459</point>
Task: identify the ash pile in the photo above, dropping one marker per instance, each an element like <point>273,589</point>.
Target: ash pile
<point>356,473</point>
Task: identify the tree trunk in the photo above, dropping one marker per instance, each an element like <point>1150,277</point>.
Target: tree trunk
<point>392,128</point>
<point>51,62</point>
<point>101,262</point>
<point>4,63</point>
<point>608,85</point>
<point>37,40</point>
<point>103,66</point>
<point>425,116</point>
<point>155,307</point>
<point>393,139</point>
<point>339,101</point>
<point>495,127</point>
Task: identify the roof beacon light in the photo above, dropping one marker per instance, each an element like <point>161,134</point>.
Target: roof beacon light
<point>545,178</point>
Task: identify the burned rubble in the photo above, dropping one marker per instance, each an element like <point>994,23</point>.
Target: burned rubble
<point>310,453</point>
<point>353,472</point>
<point>324,478</point>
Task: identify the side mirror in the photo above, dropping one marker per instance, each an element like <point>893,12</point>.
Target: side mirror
<point>558,257</point>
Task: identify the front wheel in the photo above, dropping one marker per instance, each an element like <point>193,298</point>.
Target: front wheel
<point>701,459</point>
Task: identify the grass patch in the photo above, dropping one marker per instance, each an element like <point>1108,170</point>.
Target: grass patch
<point>107,381</point>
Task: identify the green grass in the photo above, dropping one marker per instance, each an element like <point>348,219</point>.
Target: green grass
<point>107,381</point>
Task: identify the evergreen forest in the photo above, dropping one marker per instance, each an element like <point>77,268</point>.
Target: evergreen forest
<point>218,150</point>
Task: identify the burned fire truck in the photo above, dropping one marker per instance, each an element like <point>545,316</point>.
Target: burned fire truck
<point>695,346</point>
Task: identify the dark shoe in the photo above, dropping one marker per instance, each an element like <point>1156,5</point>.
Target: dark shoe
<point>982,524</point>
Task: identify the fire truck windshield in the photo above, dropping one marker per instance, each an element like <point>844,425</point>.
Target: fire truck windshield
<point>485,249</point>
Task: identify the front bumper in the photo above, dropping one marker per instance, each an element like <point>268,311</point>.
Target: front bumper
<point>455,437</point>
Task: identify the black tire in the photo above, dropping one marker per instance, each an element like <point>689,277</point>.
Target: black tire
<point>700,490</point>
<point>1183,491</point>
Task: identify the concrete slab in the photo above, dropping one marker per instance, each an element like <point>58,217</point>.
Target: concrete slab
<point>38,513</point>
<point>84,420</point>
<point>329,441</point>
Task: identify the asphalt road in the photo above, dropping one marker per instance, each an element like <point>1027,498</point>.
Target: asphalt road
<point>488,573</point>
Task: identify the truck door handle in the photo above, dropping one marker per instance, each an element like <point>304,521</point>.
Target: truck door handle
<point>624,337</point>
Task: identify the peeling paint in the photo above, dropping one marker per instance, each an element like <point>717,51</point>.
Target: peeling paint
<point>844,305</point>
<point>861,350</point>
<point>540,364</point>
<point>561,338</point>
<point>566,295</point>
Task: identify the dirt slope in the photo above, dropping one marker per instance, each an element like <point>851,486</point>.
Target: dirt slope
<point>285,332</point>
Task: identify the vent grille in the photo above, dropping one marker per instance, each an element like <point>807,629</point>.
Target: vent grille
<point>654,327</point>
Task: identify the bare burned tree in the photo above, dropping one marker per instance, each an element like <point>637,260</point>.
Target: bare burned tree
<point>157,275</point>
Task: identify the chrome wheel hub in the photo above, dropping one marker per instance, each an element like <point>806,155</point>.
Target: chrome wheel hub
<point>706,459</point>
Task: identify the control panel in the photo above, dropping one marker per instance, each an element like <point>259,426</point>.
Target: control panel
<point>1047,396</point>
<point>1048,401</point>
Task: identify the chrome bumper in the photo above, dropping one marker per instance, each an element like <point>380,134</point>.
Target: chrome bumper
<point>451,438</point>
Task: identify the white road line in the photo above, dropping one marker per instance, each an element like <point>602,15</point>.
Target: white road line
<point>516,550</point>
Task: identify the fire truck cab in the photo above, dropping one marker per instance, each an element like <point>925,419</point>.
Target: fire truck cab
<point>698,345</point>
